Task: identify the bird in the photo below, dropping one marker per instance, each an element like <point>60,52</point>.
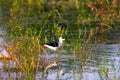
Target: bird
<point>53,46</point>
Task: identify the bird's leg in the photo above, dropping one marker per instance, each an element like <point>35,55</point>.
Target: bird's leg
<point>47,56</point>
<point>56,56</point>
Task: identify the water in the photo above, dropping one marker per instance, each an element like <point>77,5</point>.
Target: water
<point>101,58</point>
<point>88,64</point>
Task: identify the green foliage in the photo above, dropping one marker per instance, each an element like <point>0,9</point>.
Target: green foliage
<point>30,23</point>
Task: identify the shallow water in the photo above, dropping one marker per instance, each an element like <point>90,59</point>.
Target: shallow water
<point>102,58</point>
<point>99,60</point>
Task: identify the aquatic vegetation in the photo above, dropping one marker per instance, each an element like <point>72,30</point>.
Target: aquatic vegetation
<point>30,23</point>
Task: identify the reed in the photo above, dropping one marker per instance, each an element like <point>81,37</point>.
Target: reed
<point>30,23</point>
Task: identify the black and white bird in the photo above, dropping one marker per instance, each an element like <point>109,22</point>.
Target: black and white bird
<point>54,45</point>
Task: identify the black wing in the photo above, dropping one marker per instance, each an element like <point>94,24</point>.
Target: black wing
<point>54,44</point>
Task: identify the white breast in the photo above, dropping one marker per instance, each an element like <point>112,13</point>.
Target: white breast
<point>50,47</point>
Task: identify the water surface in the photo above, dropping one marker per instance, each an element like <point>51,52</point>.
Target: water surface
<point>102,59</point>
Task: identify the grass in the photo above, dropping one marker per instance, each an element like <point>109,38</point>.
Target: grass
<point>25,48</point>
<point>29,25</point>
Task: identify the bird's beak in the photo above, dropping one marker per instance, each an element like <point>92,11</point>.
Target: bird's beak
<point>63,39</point>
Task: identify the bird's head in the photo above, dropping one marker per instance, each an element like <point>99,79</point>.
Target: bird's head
<point>61,39</point>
